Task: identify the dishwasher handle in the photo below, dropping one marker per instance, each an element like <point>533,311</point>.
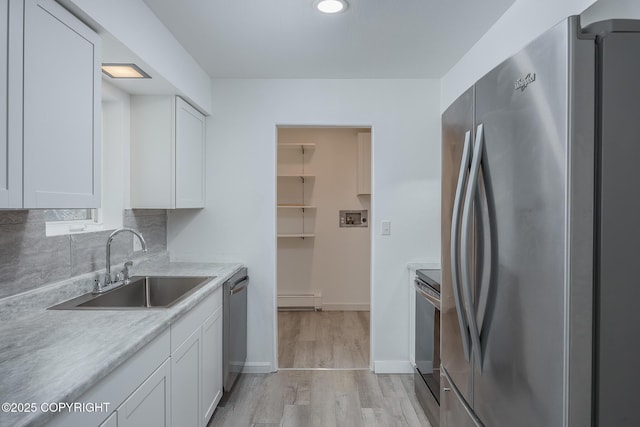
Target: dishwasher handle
<point>239,286</point>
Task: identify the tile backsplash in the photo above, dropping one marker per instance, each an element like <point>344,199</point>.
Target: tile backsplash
<point>30,259</point>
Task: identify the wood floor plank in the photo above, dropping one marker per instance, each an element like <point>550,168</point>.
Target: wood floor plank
<point>296,416</point>
<point>348,410</point>
<point>324,339</point>
<point>375,417</point>
<point>322,399</point>
<point>407,382</point>
<point>240,406</point>
<point>369,390</point>
<point>270,405</point>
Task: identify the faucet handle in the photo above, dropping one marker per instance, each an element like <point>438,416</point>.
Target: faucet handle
<point>125,271</point>
<point>100,287</point>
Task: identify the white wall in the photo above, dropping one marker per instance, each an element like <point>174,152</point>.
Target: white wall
<point>138,28</point>
<point>116,146</point>
<point>336,262</point>
<point>240,220</point>
<point>520,24</point>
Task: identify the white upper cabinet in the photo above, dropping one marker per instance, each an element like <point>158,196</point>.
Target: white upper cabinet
<point>62,109</point>
<point>11,104</point>
<point>4,109</point>
<point>190,161</point>
<point>167,153</point>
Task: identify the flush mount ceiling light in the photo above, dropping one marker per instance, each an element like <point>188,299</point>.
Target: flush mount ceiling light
<point>331,6</point>
<point>124,71</point>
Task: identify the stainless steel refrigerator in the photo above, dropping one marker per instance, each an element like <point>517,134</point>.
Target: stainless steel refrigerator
<point>541,235</point>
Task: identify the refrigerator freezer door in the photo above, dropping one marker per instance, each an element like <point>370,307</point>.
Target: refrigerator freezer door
<point>523,105</point>
<point>456,122</point>
<point>453,411</point>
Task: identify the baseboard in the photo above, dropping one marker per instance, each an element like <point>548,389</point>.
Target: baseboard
<point>309,301</point>
<point>257,368</point>
<point>392,367</point>
<point>345,307</point>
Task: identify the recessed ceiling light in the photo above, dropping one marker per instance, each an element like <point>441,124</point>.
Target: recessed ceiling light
<point>124,71</point>
<point>331,6</point>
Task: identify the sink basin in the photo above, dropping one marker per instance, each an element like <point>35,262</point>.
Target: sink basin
<point>142,292</point>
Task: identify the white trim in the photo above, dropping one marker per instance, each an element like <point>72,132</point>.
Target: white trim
<point>324,369</point>
<point>392,367</point>
<point>346,307</point>
<point>258,368</point>
<point>62,228</point>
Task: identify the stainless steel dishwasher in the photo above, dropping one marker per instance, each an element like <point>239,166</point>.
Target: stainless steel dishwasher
<point>234,347</point>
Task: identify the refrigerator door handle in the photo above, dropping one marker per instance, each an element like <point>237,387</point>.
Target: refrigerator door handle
<point>467,240</point>
<point>455,238</point>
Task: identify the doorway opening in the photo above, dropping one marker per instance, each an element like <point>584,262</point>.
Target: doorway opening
<point>323,247</point>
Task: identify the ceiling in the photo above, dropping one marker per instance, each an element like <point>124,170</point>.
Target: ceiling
<point>289,39</point>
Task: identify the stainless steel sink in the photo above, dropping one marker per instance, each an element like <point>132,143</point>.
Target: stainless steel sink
<point>142,292</point>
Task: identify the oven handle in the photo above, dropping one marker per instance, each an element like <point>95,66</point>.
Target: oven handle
<point>433,300</point>
<point>455,239</point>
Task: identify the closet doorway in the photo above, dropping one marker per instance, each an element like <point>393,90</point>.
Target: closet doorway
<point>324,247</point>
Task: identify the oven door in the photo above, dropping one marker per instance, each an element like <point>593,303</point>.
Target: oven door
<point>427,350</point>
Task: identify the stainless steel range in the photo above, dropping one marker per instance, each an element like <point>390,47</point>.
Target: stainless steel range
<point>427,343</point>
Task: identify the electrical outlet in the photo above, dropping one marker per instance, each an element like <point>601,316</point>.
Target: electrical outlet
<point>386,228</point>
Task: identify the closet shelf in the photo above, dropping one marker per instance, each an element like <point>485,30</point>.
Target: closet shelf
<point>296,145</point>
<point>296,175</point>
<point>298,235</point>
<point>295,207</point>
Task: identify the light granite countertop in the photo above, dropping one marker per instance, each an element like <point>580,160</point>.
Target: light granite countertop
<point>51,356</point>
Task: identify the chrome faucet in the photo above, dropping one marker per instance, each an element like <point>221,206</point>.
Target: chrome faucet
<point>102,287</point>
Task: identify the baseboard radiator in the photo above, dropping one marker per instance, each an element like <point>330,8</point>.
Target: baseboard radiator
<point>300,302</point>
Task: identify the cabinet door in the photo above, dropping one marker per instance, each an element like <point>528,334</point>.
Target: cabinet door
<point>112,421</point>
<point>11,104</point>
<point>4,107</point>
<point>211,364</point>
<point>185,376</point>
<point>149,405</point>
<point>190,152</point>
<point>62,109</point>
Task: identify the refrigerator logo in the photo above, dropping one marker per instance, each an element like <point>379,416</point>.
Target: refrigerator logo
<point>521,84</point>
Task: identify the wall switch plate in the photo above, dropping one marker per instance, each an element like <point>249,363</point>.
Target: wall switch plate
<point>386,228</point>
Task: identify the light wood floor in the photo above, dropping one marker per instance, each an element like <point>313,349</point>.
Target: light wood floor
<point>322,399</point>
<point>323,339</point>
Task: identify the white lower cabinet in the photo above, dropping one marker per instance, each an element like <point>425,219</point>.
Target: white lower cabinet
<point>175,380</point>
<point>211,365</point>
<point>112,421</point>
<point>185,373</point>
<point>196,363</point>
<point>149,405</point>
